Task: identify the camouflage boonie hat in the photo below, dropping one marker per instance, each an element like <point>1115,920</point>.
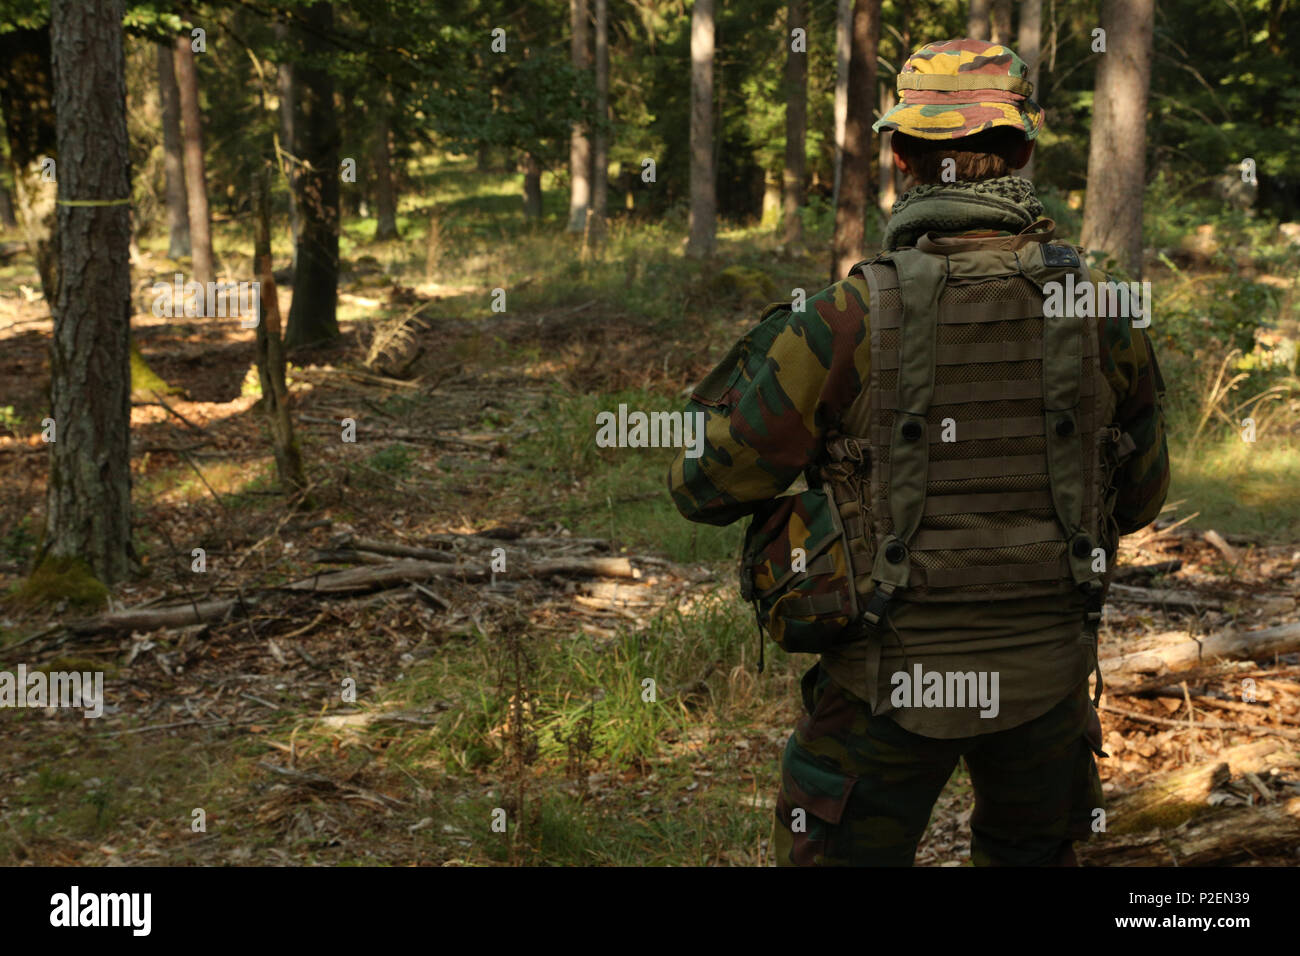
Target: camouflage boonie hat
<point>961,87</point>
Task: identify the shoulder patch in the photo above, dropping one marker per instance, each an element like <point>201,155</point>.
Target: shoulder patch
<point>1058,255</point>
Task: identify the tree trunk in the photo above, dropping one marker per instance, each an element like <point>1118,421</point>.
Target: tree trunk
<point>187,80</point>
<point>887,194</point>
<point>178,210</point>
<point>978,20</point>
<point>1112,217</point>
<point>704,197</point>
<point>579,145</point>
<point>843,49</point>
<point>600,159</point>
<point>27,103</point>
<point>286,88</point>
<point>88,500</point>
<point>1002,22</point>
<point>270,351</point>
<point>796,123</point>
<point>312,316</point>
<point>1029,46</point>
<point>532,187</point>
<point>385,194</point>
<point>7,218</point>
<point>855,178</point>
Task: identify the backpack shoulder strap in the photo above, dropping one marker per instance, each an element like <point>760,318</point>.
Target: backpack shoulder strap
<point>921,278</point>
<point>857,417</point>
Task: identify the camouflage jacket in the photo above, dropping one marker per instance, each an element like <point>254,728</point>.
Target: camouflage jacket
<point>768,407</point>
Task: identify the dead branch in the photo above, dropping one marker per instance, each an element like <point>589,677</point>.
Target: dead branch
<point>1200,724</point>
<point>1164,598</point>
<point>410,571</point>
<point>1129,572</point>
<point>157,618</point>
<point>1215,540</point>
<point>394,550</point>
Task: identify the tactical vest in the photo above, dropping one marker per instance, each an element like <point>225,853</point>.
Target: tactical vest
<point>977,464</point>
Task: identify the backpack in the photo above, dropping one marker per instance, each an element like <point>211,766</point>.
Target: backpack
<point>976,465</point>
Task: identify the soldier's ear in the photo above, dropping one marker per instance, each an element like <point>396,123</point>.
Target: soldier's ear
<point>1022,155</point>
<point>900,160</point>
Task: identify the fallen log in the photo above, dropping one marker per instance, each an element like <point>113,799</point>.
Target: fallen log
<point>1160,682</point>
<point>1128,572</point>
<point>391,549</point>
<point>1178,651</point>
<point>493,536</point>
<point>346,556</point>
<point>154,619</point>
<point>410,571</point>
<point>1218,838</point>
<point>1178,794</point>
<point>1164,598</point>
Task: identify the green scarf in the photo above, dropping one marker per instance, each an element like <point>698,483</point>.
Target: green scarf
<point>1006,203</point>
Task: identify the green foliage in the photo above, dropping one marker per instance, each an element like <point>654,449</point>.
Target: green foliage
<point>19,540</point>
<point>9,419</point>
<point>395,459</point>
<point>750,286</point>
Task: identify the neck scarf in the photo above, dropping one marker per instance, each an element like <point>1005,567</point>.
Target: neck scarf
<point>1005,203</point>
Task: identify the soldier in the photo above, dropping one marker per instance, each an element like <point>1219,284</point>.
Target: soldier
<point>938,468</point>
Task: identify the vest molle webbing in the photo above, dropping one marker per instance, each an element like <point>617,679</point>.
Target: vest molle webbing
<point>971,466</point>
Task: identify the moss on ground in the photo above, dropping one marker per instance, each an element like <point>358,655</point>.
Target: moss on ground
<point>62,579</point>
<point>145,382</point>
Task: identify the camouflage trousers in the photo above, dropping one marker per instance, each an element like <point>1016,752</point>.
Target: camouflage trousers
<point>857,790</point>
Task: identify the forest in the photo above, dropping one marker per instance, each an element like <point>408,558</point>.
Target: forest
<point>319,327</point>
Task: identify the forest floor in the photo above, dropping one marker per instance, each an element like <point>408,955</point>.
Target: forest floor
<point>390,722</point>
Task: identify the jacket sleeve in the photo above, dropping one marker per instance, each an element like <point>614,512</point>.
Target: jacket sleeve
<point>766,407</point>
<point>1129,362</point>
